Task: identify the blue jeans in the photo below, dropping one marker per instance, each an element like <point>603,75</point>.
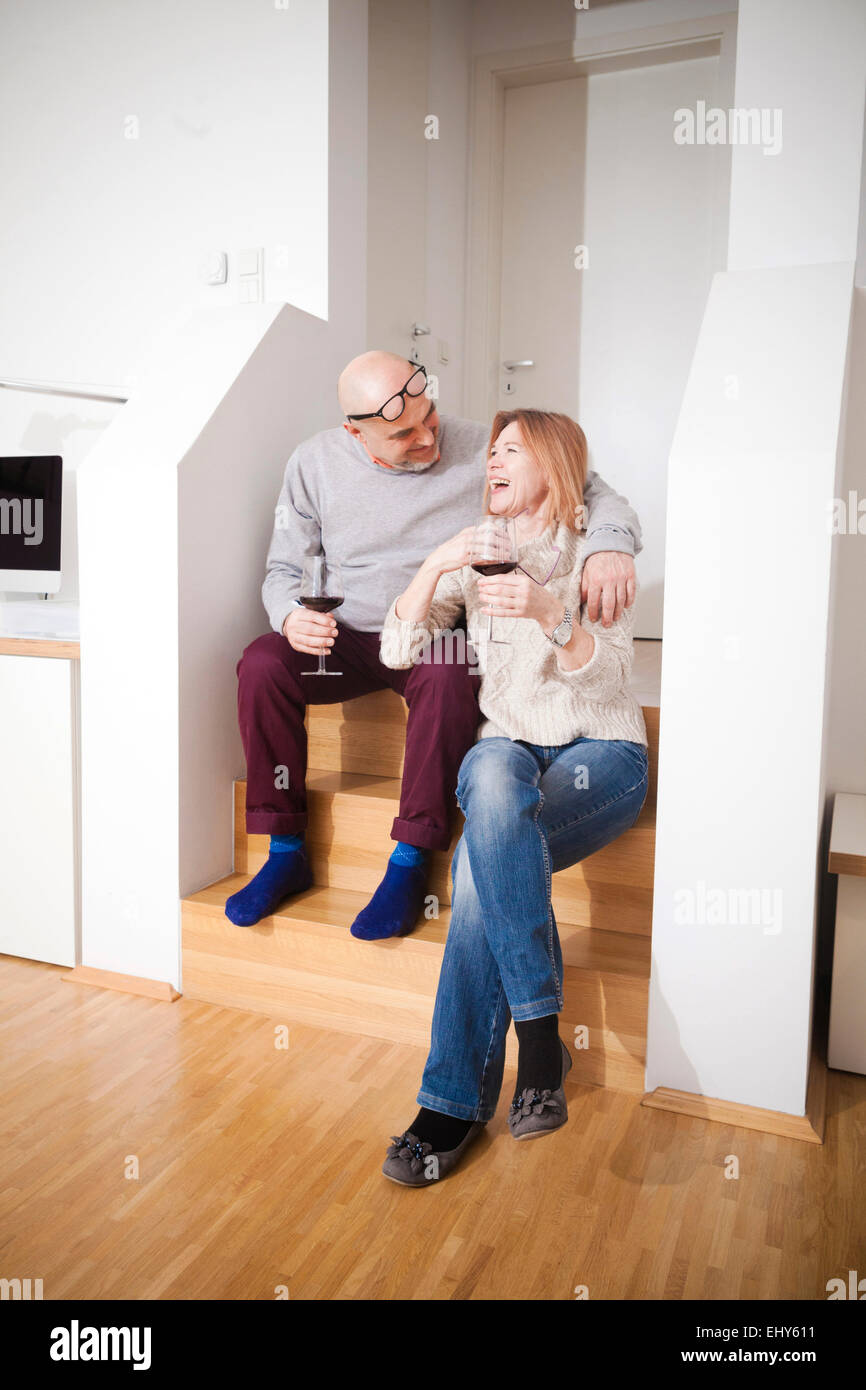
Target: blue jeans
<point>530,811</point>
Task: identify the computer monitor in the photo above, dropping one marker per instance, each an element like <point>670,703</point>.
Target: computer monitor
<point>31,500</point>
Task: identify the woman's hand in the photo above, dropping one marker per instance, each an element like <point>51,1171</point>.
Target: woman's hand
<point>452,554</point>
<point>413,605</point>
<point>517,596</point>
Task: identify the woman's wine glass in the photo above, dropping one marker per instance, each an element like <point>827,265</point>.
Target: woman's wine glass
<point>494,551</point>
<point>322,592</point>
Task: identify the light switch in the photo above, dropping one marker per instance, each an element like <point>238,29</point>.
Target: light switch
<point>250,277</point>
<point>248,263</point>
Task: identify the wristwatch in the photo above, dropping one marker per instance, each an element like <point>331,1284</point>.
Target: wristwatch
<point>561,634</point>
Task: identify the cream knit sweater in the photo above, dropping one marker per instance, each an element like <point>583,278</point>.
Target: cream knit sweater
<point>524,693</point>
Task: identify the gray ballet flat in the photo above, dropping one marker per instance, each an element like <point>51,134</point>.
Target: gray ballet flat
<point>535,1112</point>
<point>414,1164</point>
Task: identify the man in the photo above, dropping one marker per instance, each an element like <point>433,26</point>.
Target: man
<point>376,496</point>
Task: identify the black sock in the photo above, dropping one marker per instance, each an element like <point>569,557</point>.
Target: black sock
<point>444,1132</point>
<point>539,1057</point>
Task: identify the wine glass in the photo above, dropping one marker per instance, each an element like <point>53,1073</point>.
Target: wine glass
<point>322,592</point>
<point>494,551</point>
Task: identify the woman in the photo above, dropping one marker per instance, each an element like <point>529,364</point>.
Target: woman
<point>559,769</point>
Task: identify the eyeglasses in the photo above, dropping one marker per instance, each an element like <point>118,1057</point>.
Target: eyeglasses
<point>394,406</point>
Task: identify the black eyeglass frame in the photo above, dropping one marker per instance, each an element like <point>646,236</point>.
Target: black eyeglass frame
<point>398,395</point>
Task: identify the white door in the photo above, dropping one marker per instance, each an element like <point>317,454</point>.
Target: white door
<point>542,214</point>
<point>607,257</point>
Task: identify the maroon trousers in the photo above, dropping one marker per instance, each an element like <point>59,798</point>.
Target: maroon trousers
<point>442,696</point>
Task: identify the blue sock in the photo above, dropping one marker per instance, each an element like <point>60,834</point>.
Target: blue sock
<point>280,844</point>
<point>285,871</point>
<point>398,902</point>
<point>408,854</point>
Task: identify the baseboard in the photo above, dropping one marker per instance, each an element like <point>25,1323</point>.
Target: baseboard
<point>808,1127</point>
<point>126,984</point>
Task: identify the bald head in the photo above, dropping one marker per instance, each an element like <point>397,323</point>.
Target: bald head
<point>367,382</point>
<point>411,442</point>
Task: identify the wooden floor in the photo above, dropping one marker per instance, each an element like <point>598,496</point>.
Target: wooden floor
<point>259,1168</point>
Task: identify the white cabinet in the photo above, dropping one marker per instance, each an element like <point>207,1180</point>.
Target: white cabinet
<point>39,808</point>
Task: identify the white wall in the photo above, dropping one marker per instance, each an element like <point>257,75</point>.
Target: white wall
<point>159,644</point>
<point>231,100</point>
<point>846,766</point>
<point>860,273</point>
<point>447,171</point>
<point>742,697</point>
<point>177,500</point>
<point>399,38</point>
<point>416,219</point>
<point>102,234</point>
<point>845,711</point>
<point>498,25</point>
<point>421,63</point>
<point>800,206</point>
<point>648,224</point>
<point>742,775</point>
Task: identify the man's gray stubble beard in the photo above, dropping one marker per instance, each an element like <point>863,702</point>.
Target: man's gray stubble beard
<point>410,466</point>
<point>414,467</point>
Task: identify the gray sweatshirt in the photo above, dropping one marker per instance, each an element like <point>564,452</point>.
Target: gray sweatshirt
<point>379,524</point>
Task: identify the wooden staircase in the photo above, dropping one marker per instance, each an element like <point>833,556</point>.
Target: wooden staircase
<point>303,965</point>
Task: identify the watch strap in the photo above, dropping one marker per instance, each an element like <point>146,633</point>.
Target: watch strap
<point>567,622</point>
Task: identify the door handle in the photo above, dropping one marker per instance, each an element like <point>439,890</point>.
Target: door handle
<point>511,366</point>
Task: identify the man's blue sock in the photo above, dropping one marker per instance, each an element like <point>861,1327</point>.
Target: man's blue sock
<point>280,844</point>
<point>285,871</point>
<point>408,854</point>
<point>397,903</point>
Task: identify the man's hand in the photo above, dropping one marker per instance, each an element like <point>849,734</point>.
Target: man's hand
<point>310,632</point>
<point>608,580</point>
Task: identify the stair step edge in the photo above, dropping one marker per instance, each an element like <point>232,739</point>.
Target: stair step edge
<point>428,937</point>
<point>372,789</point>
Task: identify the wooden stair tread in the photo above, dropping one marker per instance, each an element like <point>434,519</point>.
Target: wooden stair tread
<point>332,783</point>
<point>331,910</point>
<point>388,707</point>
<point>368,735</point>
<point>349,838</point>
<point>328,909</point>
<point>326,782</point>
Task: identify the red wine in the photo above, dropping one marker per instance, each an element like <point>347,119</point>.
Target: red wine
<point>495,567</point>
<point>322,605</point>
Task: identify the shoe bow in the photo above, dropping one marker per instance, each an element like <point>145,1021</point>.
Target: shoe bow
<point>533,1102</point>
<point>410,1149</point>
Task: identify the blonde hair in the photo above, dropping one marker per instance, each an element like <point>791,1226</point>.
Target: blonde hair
<point>559,446</point>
